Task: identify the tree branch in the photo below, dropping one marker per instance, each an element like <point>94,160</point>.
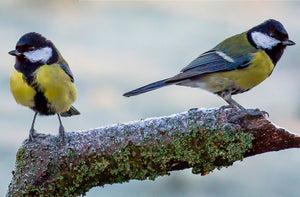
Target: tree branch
<point>199,139</point>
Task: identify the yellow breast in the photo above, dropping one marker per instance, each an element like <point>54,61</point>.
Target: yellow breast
<point>21,91</point>
<point>244,79</point>
<point>260,68</point>
<point>57,87</point>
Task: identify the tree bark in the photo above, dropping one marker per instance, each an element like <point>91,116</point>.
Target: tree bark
<point>201,139</point>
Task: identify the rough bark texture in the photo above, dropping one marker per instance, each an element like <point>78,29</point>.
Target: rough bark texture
<point>199,139</point>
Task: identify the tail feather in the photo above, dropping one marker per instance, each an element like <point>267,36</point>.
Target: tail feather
<point>72,111</point>
<point>147,88</point>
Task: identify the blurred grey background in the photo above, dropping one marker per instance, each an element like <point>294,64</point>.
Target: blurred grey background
<point>113,47</point>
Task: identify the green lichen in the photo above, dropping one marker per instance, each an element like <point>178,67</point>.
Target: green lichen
<point>202,149</point>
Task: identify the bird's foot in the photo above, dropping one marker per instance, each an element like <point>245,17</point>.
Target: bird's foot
<point>32,134</point>
<point>251,112</point>
<point>257,112</point>
<point>62,133</point>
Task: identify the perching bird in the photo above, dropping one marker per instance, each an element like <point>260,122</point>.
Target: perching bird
<point>234,66</point>
<point>42,80</point>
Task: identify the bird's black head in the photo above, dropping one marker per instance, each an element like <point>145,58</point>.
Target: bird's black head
<point>270,36</point>
<point>33,48</point>
<point>32,51</point>
<point>31,41</point>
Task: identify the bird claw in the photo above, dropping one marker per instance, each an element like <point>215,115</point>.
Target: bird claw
<point>257,112</point>
<point>265,114</point>
<point>251,112</point>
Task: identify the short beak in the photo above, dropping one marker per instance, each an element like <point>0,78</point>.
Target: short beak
<point>15,53</point>
<point>288,42</point>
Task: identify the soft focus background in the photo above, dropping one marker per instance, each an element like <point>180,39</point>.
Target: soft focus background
<point>113,47</point>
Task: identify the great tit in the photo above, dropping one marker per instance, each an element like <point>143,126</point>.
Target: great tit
<point>234,66</point>
<point>42,80</point>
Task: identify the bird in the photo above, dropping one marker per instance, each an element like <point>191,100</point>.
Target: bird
<point>42,80</point>
<point>233,66</point>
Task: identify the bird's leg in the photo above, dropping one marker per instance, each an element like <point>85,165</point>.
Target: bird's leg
<point>32,131</point>
<point>61,129</point>
<point>250,112</point>
<point>233,103</point>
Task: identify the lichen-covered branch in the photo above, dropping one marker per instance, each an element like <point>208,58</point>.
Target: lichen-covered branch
<point>199,139</point>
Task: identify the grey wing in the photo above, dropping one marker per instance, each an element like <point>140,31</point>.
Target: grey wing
<point>67,70</point>
<point>212,61</point>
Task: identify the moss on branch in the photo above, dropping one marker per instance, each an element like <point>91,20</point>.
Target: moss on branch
<point>199,139</point>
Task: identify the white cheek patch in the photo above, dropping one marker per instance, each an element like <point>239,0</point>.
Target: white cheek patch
<point>264,41</point>
<point>39,55</point>
<point>225,56</point>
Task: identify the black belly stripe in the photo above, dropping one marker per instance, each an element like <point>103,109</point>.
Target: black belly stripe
<point>41,104</point>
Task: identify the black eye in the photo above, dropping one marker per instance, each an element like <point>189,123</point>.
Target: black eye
<point>276,35</point>
<point>25,48</point>
<point>20,48</point>
<point>32,48</point>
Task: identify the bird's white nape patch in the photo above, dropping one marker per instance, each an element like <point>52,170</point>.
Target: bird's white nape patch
<point>39,55</point>
<point>225,56</point>
<point>263,40</point>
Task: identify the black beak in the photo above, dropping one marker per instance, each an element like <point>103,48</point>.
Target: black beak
<point>288,42</point>
<point>15,53</point>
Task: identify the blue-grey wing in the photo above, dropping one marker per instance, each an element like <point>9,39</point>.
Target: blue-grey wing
<point>212,61</point>
<point>67,71</point>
